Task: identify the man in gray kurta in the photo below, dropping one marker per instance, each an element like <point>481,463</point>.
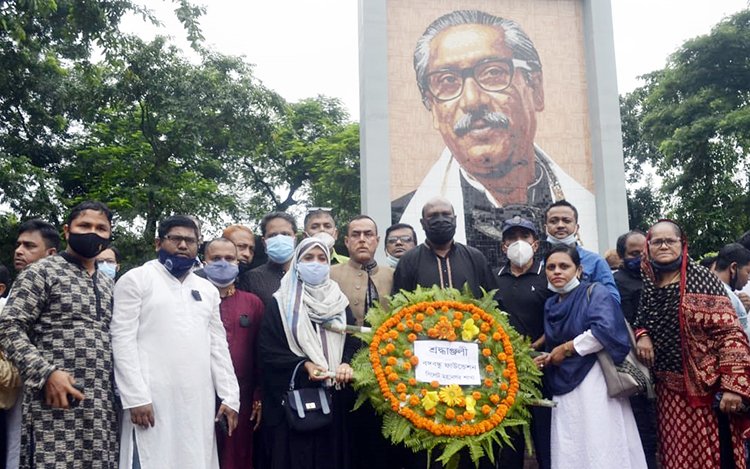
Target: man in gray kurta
<point>55,328</point>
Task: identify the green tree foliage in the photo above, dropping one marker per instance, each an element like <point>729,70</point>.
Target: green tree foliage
<point>693,125</point>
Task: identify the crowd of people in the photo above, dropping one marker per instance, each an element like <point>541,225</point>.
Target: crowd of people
<point>185,361</point>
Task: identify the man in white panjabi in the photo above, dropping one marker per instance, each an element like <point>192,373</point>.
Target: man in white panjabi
<point>171,358</point>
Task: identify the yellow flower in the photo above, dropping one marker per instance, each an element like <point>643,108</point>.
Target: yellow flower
<point>430,400</point>
<point>470,330</point>
<point>452,394</point>
<point>470,405</point>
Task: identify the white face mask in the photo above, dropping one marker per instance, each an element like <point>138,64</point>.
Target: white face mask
<point>520,253</point>
<point>569,240</point>
<point>567,288</point>
<point>326,238</point>
<point>390,260</point>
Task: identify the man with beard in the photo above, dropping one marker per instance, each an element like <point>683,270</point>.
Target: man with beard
<point>56,328</point>
<point>244,239</point>
<point>481,78</point>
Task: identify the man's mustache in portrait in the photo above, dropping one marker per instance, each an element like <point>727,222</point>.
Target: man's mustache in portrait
<point>495,120</point>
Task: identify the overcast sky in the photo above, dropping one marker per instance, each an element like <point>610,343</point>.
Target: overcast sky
<point>304,48</point>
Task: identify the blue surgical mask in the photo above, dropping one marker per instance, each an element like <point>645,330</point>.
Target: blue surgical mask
<point>567,288</point>
<point>221,273</point>
<point>313,273</point>
<point>176,265</point>
<point>107,268</point>
<point>391,261</point>
<point>569,240</point>
<point>633,265</point>
<point>280,248</point>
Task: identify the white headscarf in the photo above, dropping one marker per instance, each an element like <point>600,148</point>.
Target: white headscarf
<point>305,308</point>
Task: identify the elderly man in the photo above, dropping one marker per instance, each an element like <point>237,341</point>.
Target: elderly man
<point>171,358</point>
<point>481,78</point>
<point>399,238</point>
<point>55,327</point>
<point>244,239</point>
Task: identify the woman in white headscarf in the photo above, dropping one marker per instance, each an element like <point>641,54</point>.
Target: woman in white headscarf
<point>296,330</point>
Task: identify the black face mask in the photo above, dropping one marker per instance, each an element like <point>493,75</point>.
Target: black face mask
<point>440,229</point>
<point>668,267</point>
<point>87,245</point>
<point>244,267</point>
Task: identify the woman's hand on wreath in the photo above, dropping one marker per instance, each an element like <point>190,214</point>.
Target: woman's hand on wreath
<point>645,350</point>
<point>315,372</point>
<point>344,373</point>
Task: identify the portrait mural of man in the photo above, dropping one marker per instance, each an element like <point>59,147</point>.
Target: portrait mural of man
<point>481,79</point>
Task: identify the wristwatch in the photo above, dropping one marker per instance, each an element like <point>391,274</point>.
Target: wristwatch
<point>569,350</point>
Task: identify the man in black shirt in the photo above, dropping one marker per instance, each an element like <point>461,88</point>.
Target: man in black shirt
<point>522,292</point>
<point>440,260</point>
<point>629,283</point>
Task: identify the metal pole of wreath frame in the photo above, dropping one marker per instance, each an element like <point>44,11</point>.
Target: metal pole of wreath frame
<point>603,109</point>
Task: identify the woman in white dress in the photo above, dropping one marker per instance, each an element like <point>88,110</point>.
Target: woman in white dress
<point>589,429</point>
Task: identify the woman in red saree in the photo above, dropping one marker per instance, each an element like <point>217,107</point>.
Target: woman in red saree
<point>689,334</point>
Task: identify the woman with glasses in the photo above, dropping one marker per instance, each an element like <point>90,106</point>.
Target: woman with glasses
<point>689,334</point>
<point>300,336</point>
<point>589,429</point>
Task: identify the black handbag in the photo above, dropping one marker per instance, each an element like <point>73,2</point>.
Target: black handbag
<point>307,409</point>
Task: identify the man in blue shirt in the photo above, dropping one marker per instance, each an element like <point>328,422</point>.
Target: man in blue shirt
<point>561,222</point>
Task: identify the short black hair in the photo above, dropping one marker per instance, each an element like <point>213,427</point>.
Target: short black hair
<point>177,220</point>
<point>47,231</point>
<point>623,240</point>
<point>400,226</point>
<point>5,279</point>
<point>569,250</point>
<point>89,205</point>
<point>745,239</point>
<point>708,261</point>
<point>733,252</point>
<point>274,215</point>
<point>562,203</point>
<point>116,251</point>
<point>361,217</point>
<point>317,213</point>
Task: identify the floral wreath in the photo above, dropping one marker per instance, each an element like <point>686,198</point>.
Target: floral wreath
<point>425,415</point>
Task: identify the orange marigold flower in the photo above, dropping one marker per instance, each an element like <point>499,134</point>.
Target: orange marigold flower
<point>496,336</point>
<point>476,395</point>
<point>414,401</point>
<point>414,360</point>
<point>390,348</point>
<point>430,311</point>
<point>450,414</point>
<point>434,384</point>
<point>501,356</point>
<point>393,334</point>
<point>503,387</point>
<point>409,323</point>
<point>486,352</point>
<point>423,392</point>
<point>506,372</point>
<point>456,323</point>
<point>419,317</point>
<point>494,398</point>
<point>468,415</point>
<point>401,387</point>
<point>412,381</point>
<point>430,412</point>
<point>482,337</point>
<point>444,328</point>
<point>458,315</point>
<point>460,418</point>
<point>432,332</point>
<point>476,317</point>
<point>489,368</point>
<point>407,353</point>
<point>402,396</point>
<point>388,370</point>
<point>486,409</point>
<point>452,336</point>
<point>487,382</point>
<point>485,327</point>
<point>418,327</point>
<point>411,337</point>
<point>510,400</point>
<point>400,327</point>
<point>444,308</point>
<point>393,377</point>
<point>406,366</point>
<point>383,351</point>
<point>392,361</point>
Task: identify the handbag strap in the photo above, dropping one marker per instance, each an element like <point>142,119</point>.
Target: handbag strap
<point>294,375</point>
<point>324,401</point>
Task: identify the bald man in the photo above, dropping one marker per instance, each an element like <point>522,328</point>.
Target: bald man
<point>440,260</point>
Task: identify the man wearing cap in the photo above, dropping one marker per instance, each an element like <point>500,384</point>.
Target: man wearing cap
<point>522,292</point>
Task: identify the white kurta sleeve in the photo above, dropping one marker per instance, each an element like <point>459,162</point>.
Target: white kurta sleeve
<point>128,300</point>
<point>222,370</point>
<point>585,343</point>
